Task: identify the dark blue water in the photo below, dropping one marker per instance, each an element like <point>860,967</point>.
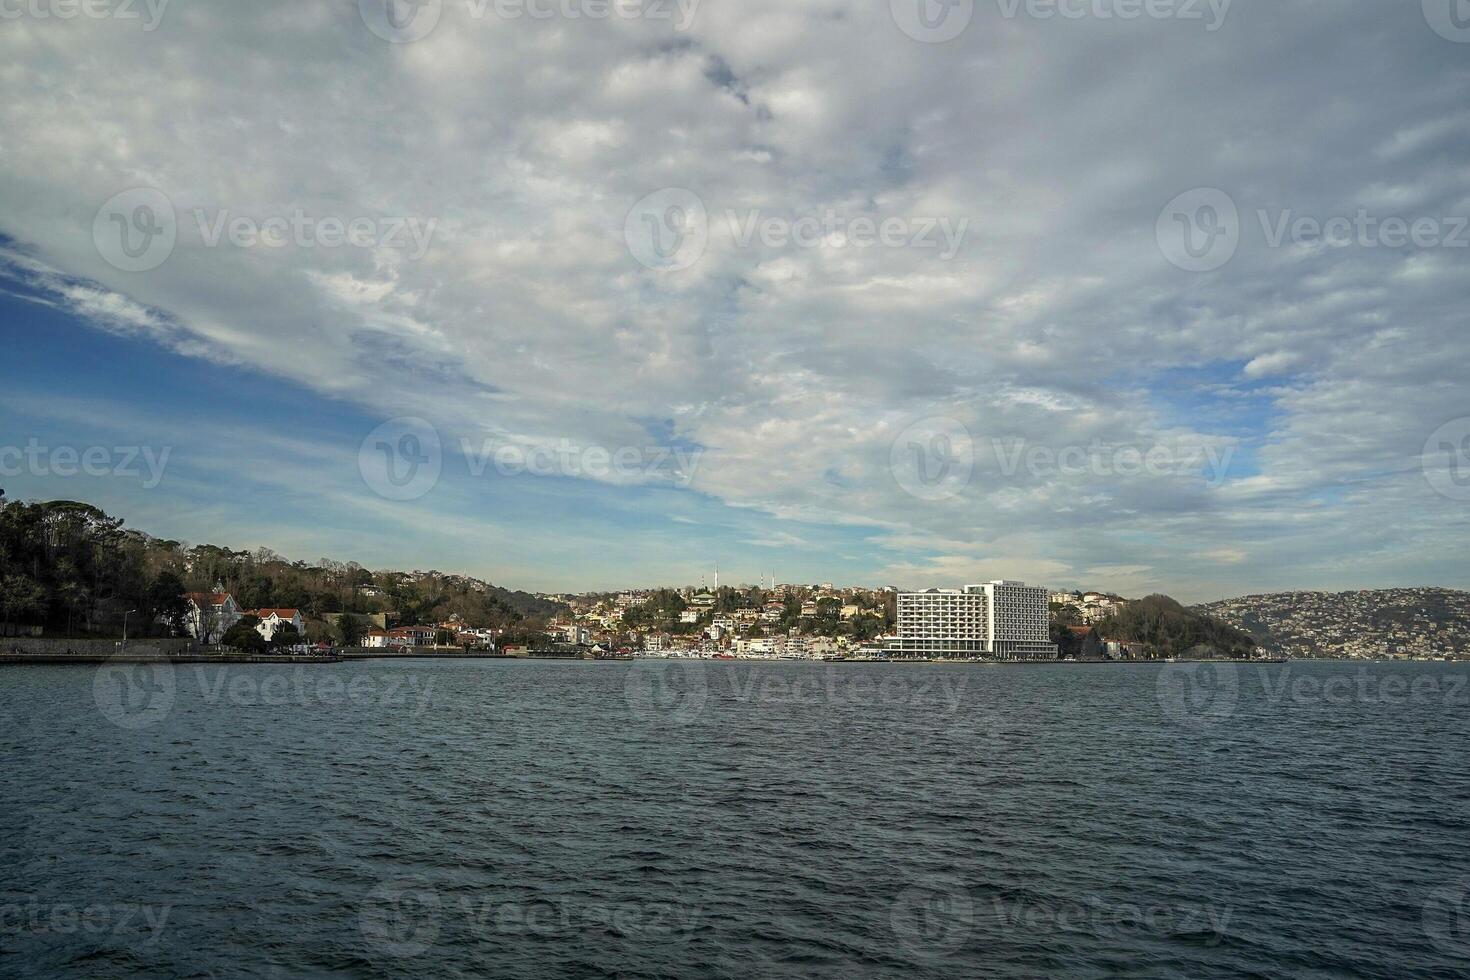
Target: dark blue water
<point>458,819</point>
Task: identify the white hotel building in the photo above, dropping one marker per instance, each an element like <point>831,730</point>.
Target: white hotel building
<point>995,621</point>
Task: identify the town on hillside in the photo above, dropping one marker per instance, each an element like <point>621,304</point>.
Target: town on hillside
<point>67,569</point>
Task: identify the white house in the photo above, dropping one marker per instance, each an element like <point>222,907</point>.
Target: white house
<point>211,614</point>
<point>272,620</point>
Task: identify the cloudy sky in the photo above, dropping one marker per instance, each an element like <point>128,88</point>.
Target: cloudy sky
<point>1165,296</point>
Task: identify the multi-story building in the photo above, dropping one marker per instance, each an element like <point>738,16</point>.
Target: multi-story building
<point>999,620</point>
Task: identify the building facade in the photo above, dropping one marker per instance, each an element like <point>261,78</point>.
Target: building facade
<point>1001,620</point>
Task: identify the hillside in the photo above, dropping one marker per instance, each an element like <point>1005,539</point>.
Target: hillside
<point>75,570</point>
<point>1167,629</point>
<point>1415,621</point>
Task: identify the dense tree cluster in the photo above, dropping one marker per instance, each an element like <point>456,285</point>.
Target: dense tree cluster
<point>76,571</point>
<point>1167,629</point>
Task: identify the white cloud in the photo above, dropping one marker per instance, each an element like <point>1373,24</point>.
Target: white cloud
<point>1058,322</point>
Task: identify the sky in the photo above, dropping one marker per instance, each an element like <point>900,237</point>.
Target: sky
<point>569,295</point>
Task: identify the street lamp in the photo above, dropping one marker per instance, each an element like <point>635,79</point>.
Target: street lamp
<point>125,628</point>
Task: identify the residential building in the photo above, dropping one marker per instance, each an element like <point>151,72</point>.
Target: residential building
<point>272,620</point>
<point>211,614</point>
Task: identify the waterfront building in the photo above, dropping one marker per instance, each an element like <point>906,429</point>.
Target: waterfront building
<point>1000,620</point>
<point>210,615</point>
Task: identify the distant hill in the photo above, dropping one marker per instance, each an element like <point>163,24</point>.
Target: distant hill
<point>1166,628</point>
<point>1417,621</point>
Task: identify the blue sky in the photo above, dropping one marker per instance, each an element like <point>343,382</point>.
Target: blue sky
<point>250,460</point>
<point>791,285</point>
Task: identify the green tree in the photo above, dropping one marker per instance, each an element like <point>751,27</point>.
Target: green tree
<point>349,630</point>
<point>244,635</point>
<point>166,602</point>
